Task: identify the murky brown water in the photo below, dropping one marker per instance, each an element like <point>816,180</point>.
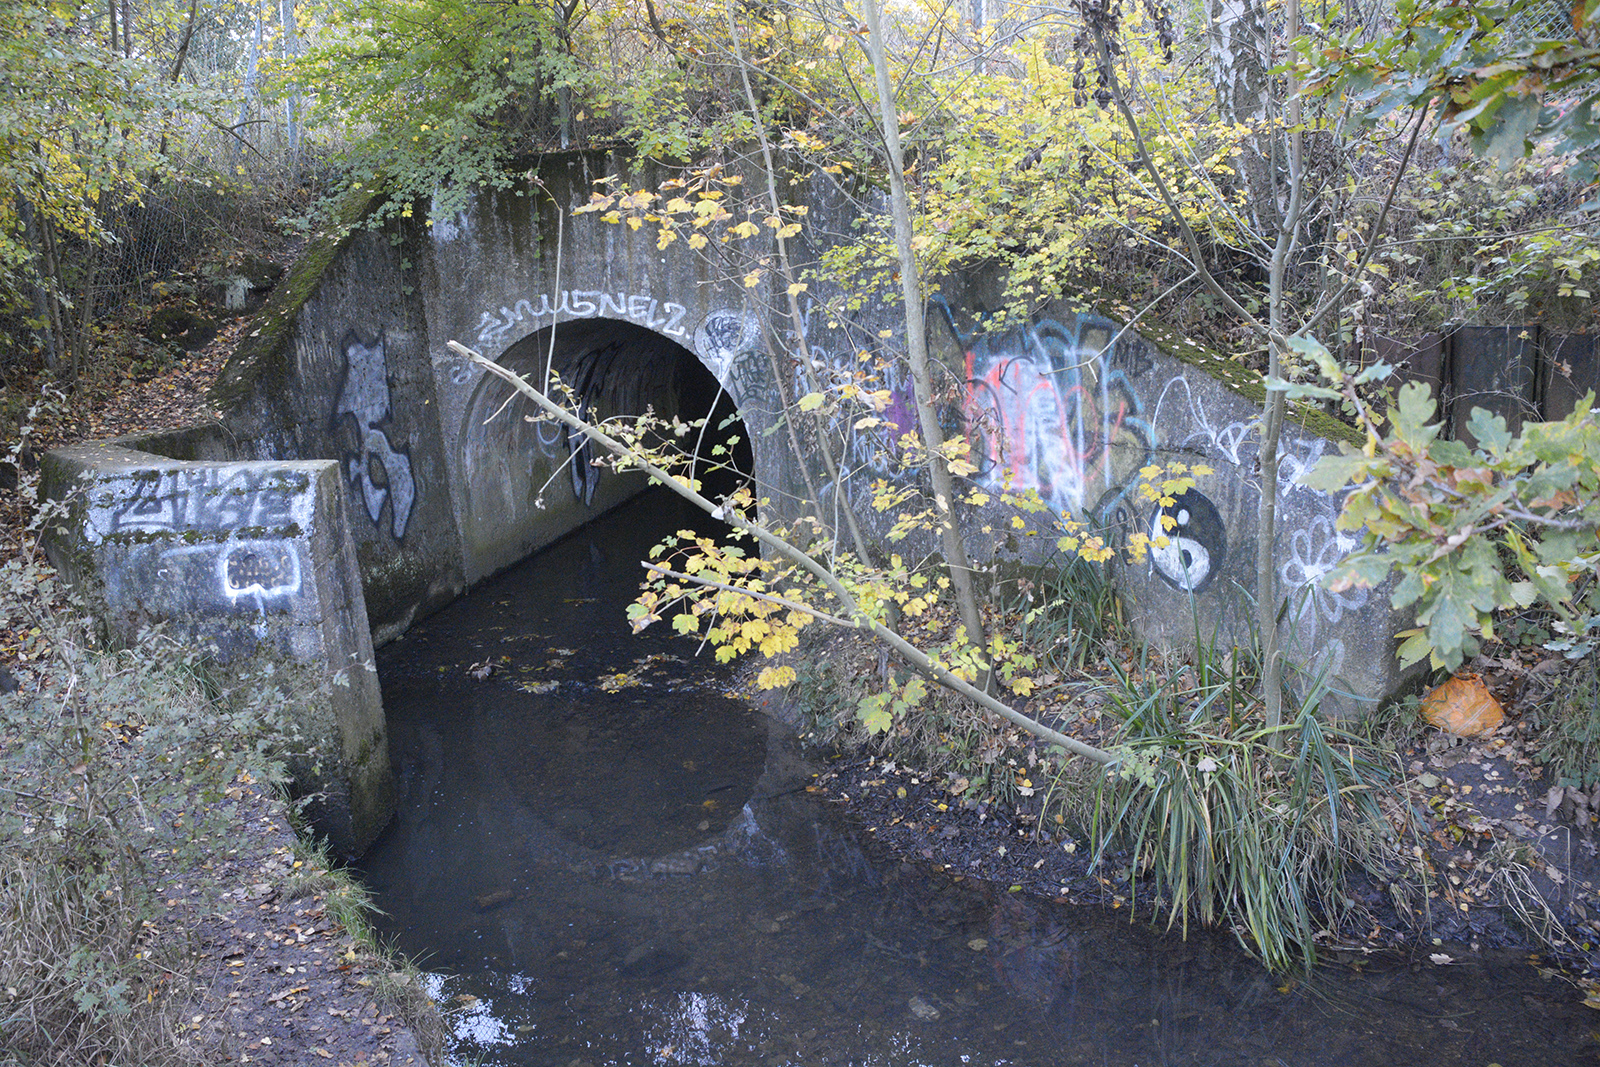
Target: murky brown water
<point>601,860</point>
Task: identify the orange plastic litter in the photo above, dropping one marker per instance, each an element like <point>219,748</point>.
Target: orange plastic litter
<point>1463,706</point>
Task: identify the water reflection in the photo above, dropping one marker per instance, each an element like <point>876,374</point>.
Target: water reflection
<point>602,860</point>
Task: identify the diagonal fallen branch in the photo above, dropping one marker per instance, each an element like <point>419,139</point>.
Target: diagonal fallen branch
<point>852,617</point>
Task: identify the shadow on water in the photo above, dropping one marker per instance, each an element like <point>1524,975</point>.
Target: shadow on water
<point>601,859</point>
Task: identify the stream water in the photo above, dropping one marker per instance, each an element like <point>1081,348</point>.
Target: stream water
<point>601,859</point>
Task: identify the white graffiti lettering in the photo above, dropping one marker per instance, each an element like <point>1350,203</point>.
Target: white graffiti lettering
<point>584,304</point>
<point>208,498</point>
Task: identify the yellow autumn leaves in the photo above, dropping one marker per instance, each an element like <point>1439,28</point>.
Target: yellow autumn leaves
<point>693,208</point>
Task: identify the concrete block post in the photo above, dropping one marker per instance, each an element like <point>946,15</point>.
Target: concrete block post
<point>253,564</point>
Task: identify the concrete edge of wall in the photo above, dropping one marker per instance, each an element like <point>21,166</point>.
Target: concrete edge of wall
<point>251,564</point>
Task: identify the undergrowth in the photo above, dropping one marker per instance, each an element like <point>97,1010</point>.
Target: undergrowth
<point>119,773</point>
<point>115,770</point>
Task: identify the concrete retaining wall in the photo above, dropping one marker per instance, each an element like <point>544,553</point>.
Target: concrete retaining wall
<point>348,366</point>
<point>250,564</point>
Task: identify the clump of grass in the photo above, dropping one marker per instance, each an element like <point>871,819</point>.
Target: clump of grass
<point>112,761</point>
<point>1065,613</point>
<point>1235,823</point>
<point>1569,743</point>
<point>77,984</point>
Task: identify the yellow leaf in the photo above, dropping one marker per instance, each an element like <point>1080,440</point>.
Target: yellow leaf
<point>753,279</point>
<point>698,240</point>
<point>811,401</point>
<point>797,288</point>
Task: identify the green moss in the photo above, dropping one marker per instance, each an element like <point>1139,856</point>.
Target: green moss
<point>1246,383</point>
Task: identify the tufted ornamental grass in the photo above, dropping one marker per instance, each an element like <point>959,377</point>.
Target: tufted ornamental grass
<point>1233,823</point>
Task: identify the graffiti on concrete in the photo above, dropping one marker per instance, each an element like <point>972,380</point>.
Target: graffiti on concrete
<point>247,577</point>
<point>375,468</point>
<point>729,344</point>
<point>663,316</point>
<point>1314,551</point>
<point>208,498</point>
<point>1050,407</point>
<point>585,475</point>
<point>258,570</point>
<point>1196,541</point>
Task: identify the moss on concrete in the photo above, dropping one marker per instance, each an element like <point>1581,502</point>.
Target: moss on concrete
<point>261,358</point>
<point>1245,382</point>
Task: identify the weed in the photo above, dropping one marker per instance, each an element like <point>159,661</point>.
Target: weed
<point>1233,822</point>
<point>1570,743</point>
<point>1067,610</point>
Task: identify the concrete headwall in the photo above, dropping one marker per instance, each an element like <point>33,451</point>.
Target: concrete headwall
<point>251,565</point>
<point>443,482</point>
<point>337,368</point>
<point>1072,406</point>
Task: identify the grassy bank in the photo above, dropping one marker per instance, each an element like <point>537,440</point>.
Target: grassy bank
<point>132,803</point>
<point>1312,835</point>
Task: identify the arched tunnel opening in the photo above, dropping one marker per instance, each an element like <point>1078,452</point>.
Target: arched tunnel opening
<point>544,753</point>
<point>527,481</point>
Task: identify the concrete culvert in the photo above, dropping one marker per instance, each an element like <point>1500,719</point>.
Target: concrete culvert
<point>525,483</point>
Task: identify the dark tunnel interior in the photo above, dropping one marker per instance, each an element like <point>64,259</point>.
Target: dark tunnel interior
<point>619,368</point>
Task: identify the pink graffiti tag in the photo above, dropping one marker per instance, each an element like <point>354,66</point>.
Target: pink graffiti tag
<point>1043,414</point>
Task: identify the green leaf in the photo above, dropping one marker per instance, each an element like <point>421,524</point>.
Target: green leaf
<point>1505,140</point>
<point>1414,409</point>
<point>874,712</point>
<point>1490,431</point>
<point>1333,473</point>
<point>1451,453</point>
<point>811,401</point>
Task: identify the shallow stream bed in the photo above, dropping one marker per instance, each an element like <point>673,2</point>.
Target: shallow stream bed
<point>601,859</point>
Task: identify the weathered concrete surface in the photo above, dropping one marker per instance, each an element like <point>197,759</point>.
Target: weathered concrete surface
<point>1072,407</point>
<point>251,565</point>
<point>338,369</point>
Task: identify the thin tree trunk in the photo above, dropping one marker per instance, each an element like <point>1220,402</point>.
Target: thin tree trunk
<point>797,319</point>
<point>291,103</point>
<point>250,87</point>
<point>1267,606</point>
<point>955,552</point>
<point>177,66</point>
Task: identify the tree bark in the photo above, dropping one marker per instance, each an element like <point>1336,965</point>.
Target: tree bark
<point>955,552</point>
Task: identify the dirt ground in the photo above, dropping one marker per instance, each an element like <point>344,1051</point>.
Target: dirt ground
<point>278,981</point>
